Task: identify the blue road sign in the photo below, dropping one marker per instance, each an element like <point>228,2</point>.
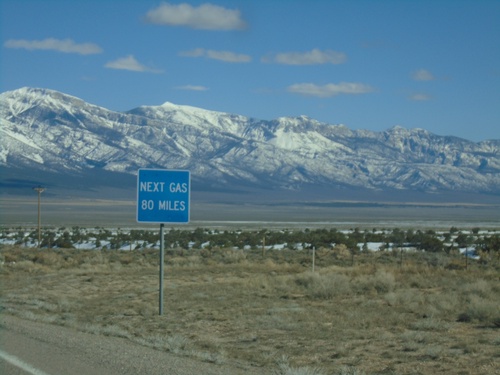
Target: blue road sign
<point>163,196</point>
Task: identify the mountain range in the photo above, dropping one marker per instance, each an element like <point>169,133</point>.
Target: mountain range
<point>54,139</point>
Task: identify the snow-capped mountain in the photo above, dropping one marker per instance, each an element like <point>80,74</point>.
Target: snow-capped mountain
<point>61,135</point>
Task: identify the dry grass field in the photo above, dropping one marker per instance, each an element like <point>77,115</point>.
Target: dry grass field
<point>429,315</point>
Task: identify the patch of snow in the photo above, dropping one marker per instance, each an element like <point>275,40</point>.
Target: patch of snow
<point>7,241</point>
<point>35,157</point>
<point>19,137</point>
<point>85,245</point>
<point>469,252</point>
<point>372,246</point>
<point>3,155</point>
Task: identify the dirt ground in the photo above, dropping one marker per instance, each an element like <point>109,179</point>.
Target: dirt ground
<point>427,316</point>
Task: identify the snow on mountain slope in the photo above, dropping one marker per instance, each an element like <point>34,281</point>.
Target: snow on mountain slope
<point>203,120</point>
<point>61,133</point>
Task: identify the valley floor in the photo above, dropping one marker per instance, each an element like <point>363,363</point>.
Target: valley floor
<point>22,211</point>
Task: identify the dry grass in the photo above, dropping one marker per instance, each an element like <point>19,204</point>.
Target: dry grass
<point>222,305</point>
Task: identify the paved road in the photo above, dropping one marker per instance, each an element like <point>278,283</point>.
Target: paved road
<point>31,348</point>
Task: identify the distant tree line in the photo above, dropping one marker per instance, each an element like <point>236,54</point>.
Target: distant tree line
<point>353,239</point>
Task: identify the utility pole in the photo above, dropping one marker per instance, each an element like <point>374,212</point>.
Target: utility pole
<point>314,258</point>
<point>39,189</point>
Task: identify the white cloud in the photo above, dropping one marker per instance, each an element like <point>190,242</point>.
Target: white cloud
<point>420,97</point>
<point>130,63</point>
<point>197,52</point>
<point>228,56</point>
<point>330,89</point>
<point>192,88</point>
<point>205,17</point>
<point>225,56</point>
<point>313,57</point>
<point>422,75</point>
<point>52,44</point>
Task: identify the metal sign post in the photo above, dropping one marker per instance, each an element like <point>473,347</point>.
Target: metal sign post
<point>162,265</point>
<point>163,197</point>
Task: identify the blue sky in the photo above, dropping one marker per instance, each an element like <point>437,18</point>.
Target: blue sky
<point>428,64</point>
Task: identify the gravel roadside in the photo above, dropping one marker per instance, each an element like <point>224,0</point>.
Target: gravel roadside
<point>61,350</point>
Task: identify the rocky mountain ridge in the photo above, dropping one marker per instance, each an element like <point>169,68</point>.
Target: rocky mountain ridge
<point>59,134</point>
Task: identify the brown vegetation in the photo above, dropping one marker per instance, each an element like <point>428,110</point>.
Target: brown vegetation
<point>426,316</point>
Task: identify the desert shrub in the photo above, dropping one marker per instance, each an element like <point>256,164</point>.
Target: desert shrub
<point>9,256</point>
<point>434,352</point>
<point>127,259</point>
<point>115,331</point>
<point>188,261</point>
<point>176,343</point>
<point>443,304</point>
<point>382,282</point>
<point>28,266</point>
<point>323,286</point>
<point>13,254</point>
<point>479,301</point>
<point>347,370</point>
<point>480,287</point>
<point>410,300</point>
<point>480,310</point>
<point>455,264</point>
<point>417,337</point>
<point>283,367</point>
<point>230,256</point>
<point>48,258</point>
<point>431,325</point>
<point>307,279</point>
<point>92,257</point>
<point>391,298</point>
